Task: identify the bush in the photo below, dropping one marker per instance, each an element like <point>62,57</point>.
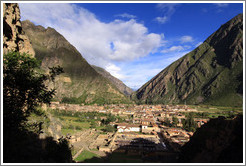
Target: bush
<point>109,128</point>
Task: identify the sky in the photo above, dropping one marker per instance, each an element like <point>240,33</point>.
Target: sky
<point>132,41</point>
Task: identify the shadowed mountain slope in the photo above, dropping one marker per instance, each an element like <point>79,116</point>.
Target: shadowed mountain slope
<point>80,83</point>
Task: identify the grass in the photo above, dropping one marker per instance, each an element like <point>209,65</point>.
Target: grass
<point>71,123</point>
<point>214,109</point>
<point>65,131</point>
<point>85,155</point>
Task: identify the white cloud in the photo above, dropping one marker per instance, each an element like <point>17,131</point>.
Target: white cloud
<point>126,15</point>
<point>138,74</point>
<point>167,7</point>
<point>167,10</point>
<point>121,47</point>
<point>221,5</point>
<point>186,39</point>
<point>93,38</point>
<point>114,71</point>
<point>173,48</point>
<point>161,20</point>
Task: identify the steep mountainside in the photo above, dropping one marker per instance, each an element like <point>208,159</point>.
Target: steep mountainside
<point>14,39</point>
<point>210,74</point>
<point>80,83</point>
<point>118,83</point>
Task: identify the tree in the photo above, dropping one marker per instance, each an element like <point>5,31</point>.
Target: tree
<point>109,128</point>
<point>175,121</point>
<point>189,124</point>
<point>110,118</point>
<point>24,89</point>
<point>167,122</point>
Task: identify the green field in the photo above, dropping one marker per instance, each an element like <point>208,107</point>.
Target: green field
<point>68,131</point>
<point>206,111</point>
<point>85,155</point>
<point>73,122</point>
<point>207,108</point>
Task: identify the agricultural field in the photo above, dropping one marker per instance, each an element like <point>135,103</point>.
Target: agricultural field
<point>205,111</point>
<point>74,122</point>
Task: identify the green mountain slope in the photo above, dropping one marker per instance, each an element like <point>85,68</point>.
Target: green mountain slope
<point>118,83</point>
<point>210,74</point>
<point>80,83</point>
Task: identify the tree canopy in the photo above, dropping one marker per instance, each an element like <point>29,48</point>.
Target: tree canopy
<point>24,88</point>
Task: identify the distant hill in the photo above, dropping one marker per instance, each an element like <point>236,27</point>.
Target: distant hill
<point>80,83</point>
<point>118,83</point>
<point>210,74</point>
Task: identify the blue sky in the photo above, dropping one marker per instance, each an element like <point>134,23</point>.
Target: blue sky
<point>133,41</point>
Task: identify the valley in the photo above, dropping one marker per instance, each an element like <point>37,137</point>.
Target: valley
<point>59,108</point>
<point>97,133</point>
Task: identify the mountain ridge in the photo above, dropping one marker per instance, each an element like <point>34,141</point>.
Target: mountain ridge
<point>118,83</point>
<point>80,83</point>
<point>204,74</point>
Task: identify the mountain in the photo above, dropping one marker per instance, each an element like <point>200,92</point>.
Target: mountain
<point>80,83</point>
<point>14,38</point>
<point>118,83</point>
<point>210,74</point>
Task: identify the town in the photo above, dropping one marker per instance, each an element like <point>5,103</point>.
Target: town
<point>139,128</point>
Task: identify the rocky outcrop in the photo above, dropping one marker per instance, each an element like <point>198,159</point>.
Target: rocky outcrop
<point>118,83</point>
<point>14,39</point>
<point>210,74</point>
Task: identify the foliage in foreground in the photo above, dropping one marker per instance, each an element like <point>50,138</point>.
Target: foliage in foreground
<point>23,90</point>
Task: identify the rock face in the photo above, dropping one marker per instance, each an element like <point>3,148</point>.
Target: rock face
<point>219,140</point>
<point>80,83</point>
<point>210,74</point>
<point>118,83</point>
<point>14,39</point>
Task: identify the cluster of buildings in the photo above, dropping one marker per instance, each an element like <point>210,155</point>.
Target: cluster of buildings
<point>142,121</point>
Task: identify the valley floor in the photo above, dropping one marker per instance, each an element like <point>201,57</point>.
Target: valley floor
<point>129,133</point>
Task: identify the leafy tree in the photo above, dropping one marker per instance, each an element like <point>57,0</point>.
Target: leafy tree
<point>109,128</point>
<point>120,120</point>
<point>189,124</point>
<point>24,89</point>
<point>167,122</point>
<point>110,118</point>
<point>175,121</point>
